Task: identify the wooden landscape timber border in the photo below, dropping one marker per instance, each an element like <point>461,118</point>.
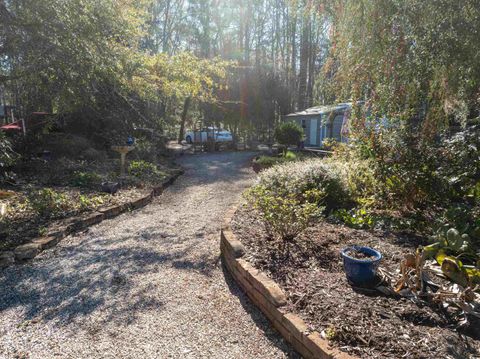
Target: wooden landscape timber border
<point>78,223</point>
<point>271,300</point>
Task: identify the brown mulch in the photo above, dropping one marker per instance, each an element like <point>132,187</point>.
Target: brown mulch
<point>368,325</point>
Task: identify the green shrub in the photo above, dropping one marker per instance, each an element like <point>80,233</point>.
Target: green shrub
<point>459,164</point>
<point>291,156</point>
<point>289,134</point>
<point>145,149</point>
<point>286,216</point>
<point>356,218</point>
<point>301,177</point>
<point>289,196</point>
<point>358,179</point>
<point>7,156</point>
<point>86,202</point>
<point>85,179</point>
<point>143,169</point>
<point>346,187</point>
<point>47,202</point>
<point>269,161</point>
<point>329,144</point>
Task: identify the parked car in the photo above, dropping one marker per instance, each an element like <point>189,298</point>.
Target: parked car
<point>202,135</point>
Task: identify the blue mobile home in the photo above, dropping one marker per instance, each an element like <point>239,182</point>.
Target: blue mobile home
<point>322,122</point>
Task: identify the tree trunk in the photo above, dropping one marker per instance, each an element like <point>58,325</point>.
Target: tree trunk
<point>293,62</point>
<point>313,48</point>
<point>164,32</point>
<point>186,105</point>
<point>304,57</point>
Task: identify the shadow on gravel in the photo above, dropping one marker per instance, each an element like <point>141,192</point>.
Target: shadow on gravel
<point>90,276</point>
<point>213,168</point>
<point>96,279</point>
<point>257,316</point>
<point>204,265</point>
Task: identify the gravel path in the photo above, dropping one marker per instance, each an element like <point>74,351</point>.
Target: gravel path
<point>147,284</point>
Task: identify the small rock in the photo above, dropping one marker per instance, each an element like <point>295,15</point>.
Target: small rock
<point>27,251</point>
<point>118,279</point>
<point>145,235</point>
<point>46,242</point>
<point>6,258</point>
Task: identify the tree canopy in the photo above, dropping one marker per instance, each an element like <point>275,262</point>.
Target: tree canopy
<point>243,65</point>
<point>407,58</point>
<point>119,60</point>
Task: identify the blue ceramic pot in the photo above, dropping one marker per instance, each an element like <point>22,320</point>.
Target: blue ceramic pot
<point>361,272</point>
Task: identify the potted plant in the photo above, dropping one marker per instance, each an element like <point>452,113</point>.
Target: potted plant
<point>110,187</point>
<point>360,265</point>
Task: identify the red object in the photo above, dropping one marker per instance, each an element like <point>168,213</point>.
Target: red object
<point>12,126</point>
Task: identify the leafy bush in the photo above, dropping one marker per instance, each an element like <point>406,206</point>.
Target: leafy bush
<point>269,161</point>
<point>356,217</point>
<point>7,155</point>
<point>286,216</point>
<point>85,179</point>
<point>338,184</point>
<point>86,202</point>
<point>329,144</point>
<point>47,202</point>
<point>417,184</point>
<point>289,196</point>
<point>143,169</point>
<point>301,177</point>
<point>291,156</point>
<point>145,149</point>
<point>358,178</point>
<point>289,134</point>
<point>414,173</point>
<point>459,163</point>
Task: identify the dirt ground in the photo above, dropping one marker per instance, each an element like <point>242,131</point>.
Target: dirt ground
<point>364,324</point>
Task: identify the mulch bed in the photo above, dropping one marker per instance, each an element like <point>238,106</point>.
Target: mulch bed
<point>366,325</point>
<point>22,223</point>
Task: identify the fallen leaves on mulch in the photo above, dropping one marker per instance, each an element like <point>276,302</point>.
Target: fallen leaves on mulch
<point>370,325</point>
<point>19,223</point>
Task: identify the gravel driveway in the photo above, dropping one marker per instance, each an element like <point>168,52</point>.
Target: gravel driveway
<point>147,284</point>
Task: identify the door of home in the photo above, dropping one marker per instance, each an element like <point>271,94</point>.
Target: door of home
<point>313,132</point>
